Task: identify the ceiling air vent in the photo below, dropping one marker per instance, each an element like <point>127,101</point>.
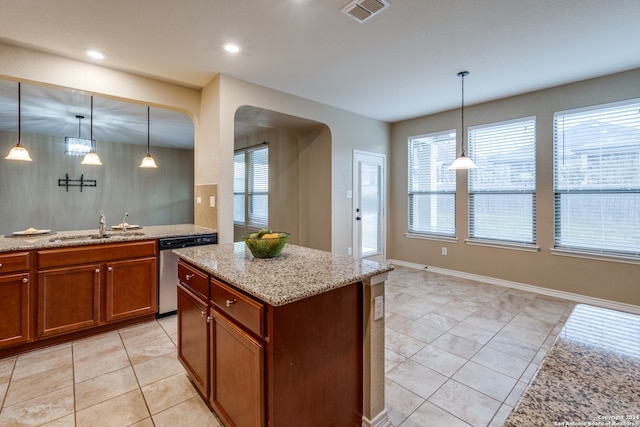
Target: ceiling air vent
<point>361,10</point>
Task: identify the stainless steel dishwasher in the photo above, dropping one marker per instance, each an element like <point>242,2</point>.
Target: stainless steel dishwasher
<point>168,269</point>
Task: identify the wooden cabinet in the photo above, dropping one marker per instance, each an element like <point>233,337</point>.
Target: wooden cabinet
<point>128,291</point>
<point>82,287</point>
<point>285,366</point>
<point>193,337</point>
<point>68,299</point>
<point>237,374</point>
<point>237,356</point>
<point>14,295</point>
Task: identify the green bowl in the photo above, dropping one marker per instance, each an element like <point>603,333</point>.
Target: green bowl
<point>269,247</point>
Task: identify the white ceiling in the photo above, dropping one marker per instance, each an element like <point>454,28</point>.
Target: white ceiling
<point>400,64</point>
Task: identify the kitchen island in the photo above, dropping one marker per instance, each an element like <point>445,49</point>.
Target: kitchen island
<point>286,341</point>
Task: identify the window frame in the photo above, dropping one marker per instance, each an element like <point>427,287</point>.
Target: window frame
<point>446,232</point>
<point>248,192</point>
<point>507,194</point>
<point>593,113</point>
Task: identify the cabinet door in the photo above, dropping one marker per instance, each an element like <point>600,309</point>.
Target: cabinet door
<point>68,299</point>
<point>237,374</point>
<point>193,338</point>
<point>132,288</point>
<point>14,321</point>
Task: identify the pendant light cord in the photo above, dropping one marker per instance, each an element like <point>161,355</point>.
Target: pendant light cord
<point>91,124</point>
<point>19,117</point>
<point>463,74</point>
<point>148,130</point>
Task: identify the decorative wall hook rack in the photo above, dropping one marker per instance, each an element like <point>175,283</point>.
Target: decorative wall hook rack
<point>66,182</point>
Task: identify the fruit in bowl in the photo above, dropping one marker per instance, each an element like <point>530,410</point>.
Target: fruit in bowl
<point>265,243</point>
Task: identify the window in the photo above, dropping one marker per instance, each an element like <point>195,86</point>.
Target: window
<point>432,186</point>
<point>251,187</point>
<point>502,190</point>
<point>597,179</point>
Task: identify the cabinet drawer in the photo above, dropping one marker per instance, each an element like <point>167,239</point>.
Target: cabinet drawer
<point>248,312</point>
<point>10,263</point>
<point>193,279</point>
<point>101,252</point>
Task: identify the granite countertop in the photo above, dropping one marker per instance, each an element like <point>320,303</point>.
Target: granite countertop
<point>296,274</point>
<point>590,377</point>
<point>75,238</point>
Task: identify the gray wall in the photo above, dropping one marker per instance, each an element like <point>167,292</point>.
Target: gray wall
<point>30,195</point>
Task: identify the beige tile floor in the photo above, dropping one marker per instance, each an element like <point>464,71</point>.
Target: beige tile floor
<point>458,353</point>
<point>129,377</point>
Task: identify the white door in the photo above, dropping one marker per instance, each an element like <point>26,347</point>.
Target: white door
<point>368,205</point>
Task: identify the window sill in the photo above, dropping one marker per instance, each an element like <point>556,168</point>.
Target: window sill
<point>599,257</point>
<point>515,246</point>
<point>431,237</point>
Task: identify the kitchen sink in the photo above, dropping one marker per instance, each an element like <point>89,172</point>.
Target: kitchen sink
<point>96,236</point>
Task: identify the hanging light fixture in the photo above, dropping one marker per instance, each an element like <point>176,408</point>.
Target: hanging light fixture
<point>147,161</point>
<point>462,162</point>
<point>78,146</point>
<point>91,158</point>
<point>19,152</point>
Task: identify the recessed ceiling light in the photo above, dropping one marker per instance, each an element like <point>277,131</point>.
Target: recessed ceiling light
<point>95,54</point>
<point>231,47</point>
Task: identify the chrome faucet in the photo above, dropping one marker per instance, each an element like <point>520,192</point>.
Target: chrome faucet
<point>102,225</point>
<point>124,224</point>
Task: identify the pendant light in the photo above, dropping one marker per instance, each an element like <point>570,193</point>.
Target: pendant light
<point>147,161</point>
<point>19,152</point>
<point>91,158</point>
<point>462,162</point>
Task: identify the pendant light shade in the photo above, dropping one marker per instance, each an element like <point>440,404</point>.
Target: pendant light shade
<point>147,161</point>
<point>19,152</point>
<point>462,162</point>
<point>91,158</point>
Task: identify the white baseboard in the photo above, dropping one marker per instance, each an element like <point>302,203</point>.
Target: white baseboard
<point>583,299</point>
<point>380,420</point>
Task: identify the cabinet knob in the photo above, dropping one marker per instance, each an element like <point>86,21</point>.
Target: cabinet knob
<point>25,280</point>
<point>209,319</point>
<point>189,276</point>
<point>97,270</point>
<point>230,302</point>
<point>109,268</point>
<point>0,265</point>
<point>202,313</point>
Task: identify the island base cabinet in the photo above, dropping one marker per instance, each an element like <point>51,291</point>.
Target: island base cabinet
<point>14,321</point>
<point>128,291</point>
<point>237,374</point>
<point>193,338</point>
<point>68,300</point>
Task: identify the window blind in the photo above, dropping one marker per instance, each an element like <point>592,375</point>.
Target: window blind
<point>432,186</point>
<point>502,190</point>
<point>239,187</point>
<point>258,188</point>
<point>597,179</point>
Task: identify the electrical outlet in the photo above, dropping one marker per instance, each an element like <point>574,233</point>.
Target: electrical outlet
<point>349,251</point>
<point>378,307</point>
<point>198,200</point>
<point>444,250</point>
<point>212,201</point>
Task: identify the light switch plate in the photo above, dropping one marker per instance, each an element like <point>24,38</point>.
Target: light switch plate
<point>379,307</point>
<point>212,201</point>
<point>198,200</point>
